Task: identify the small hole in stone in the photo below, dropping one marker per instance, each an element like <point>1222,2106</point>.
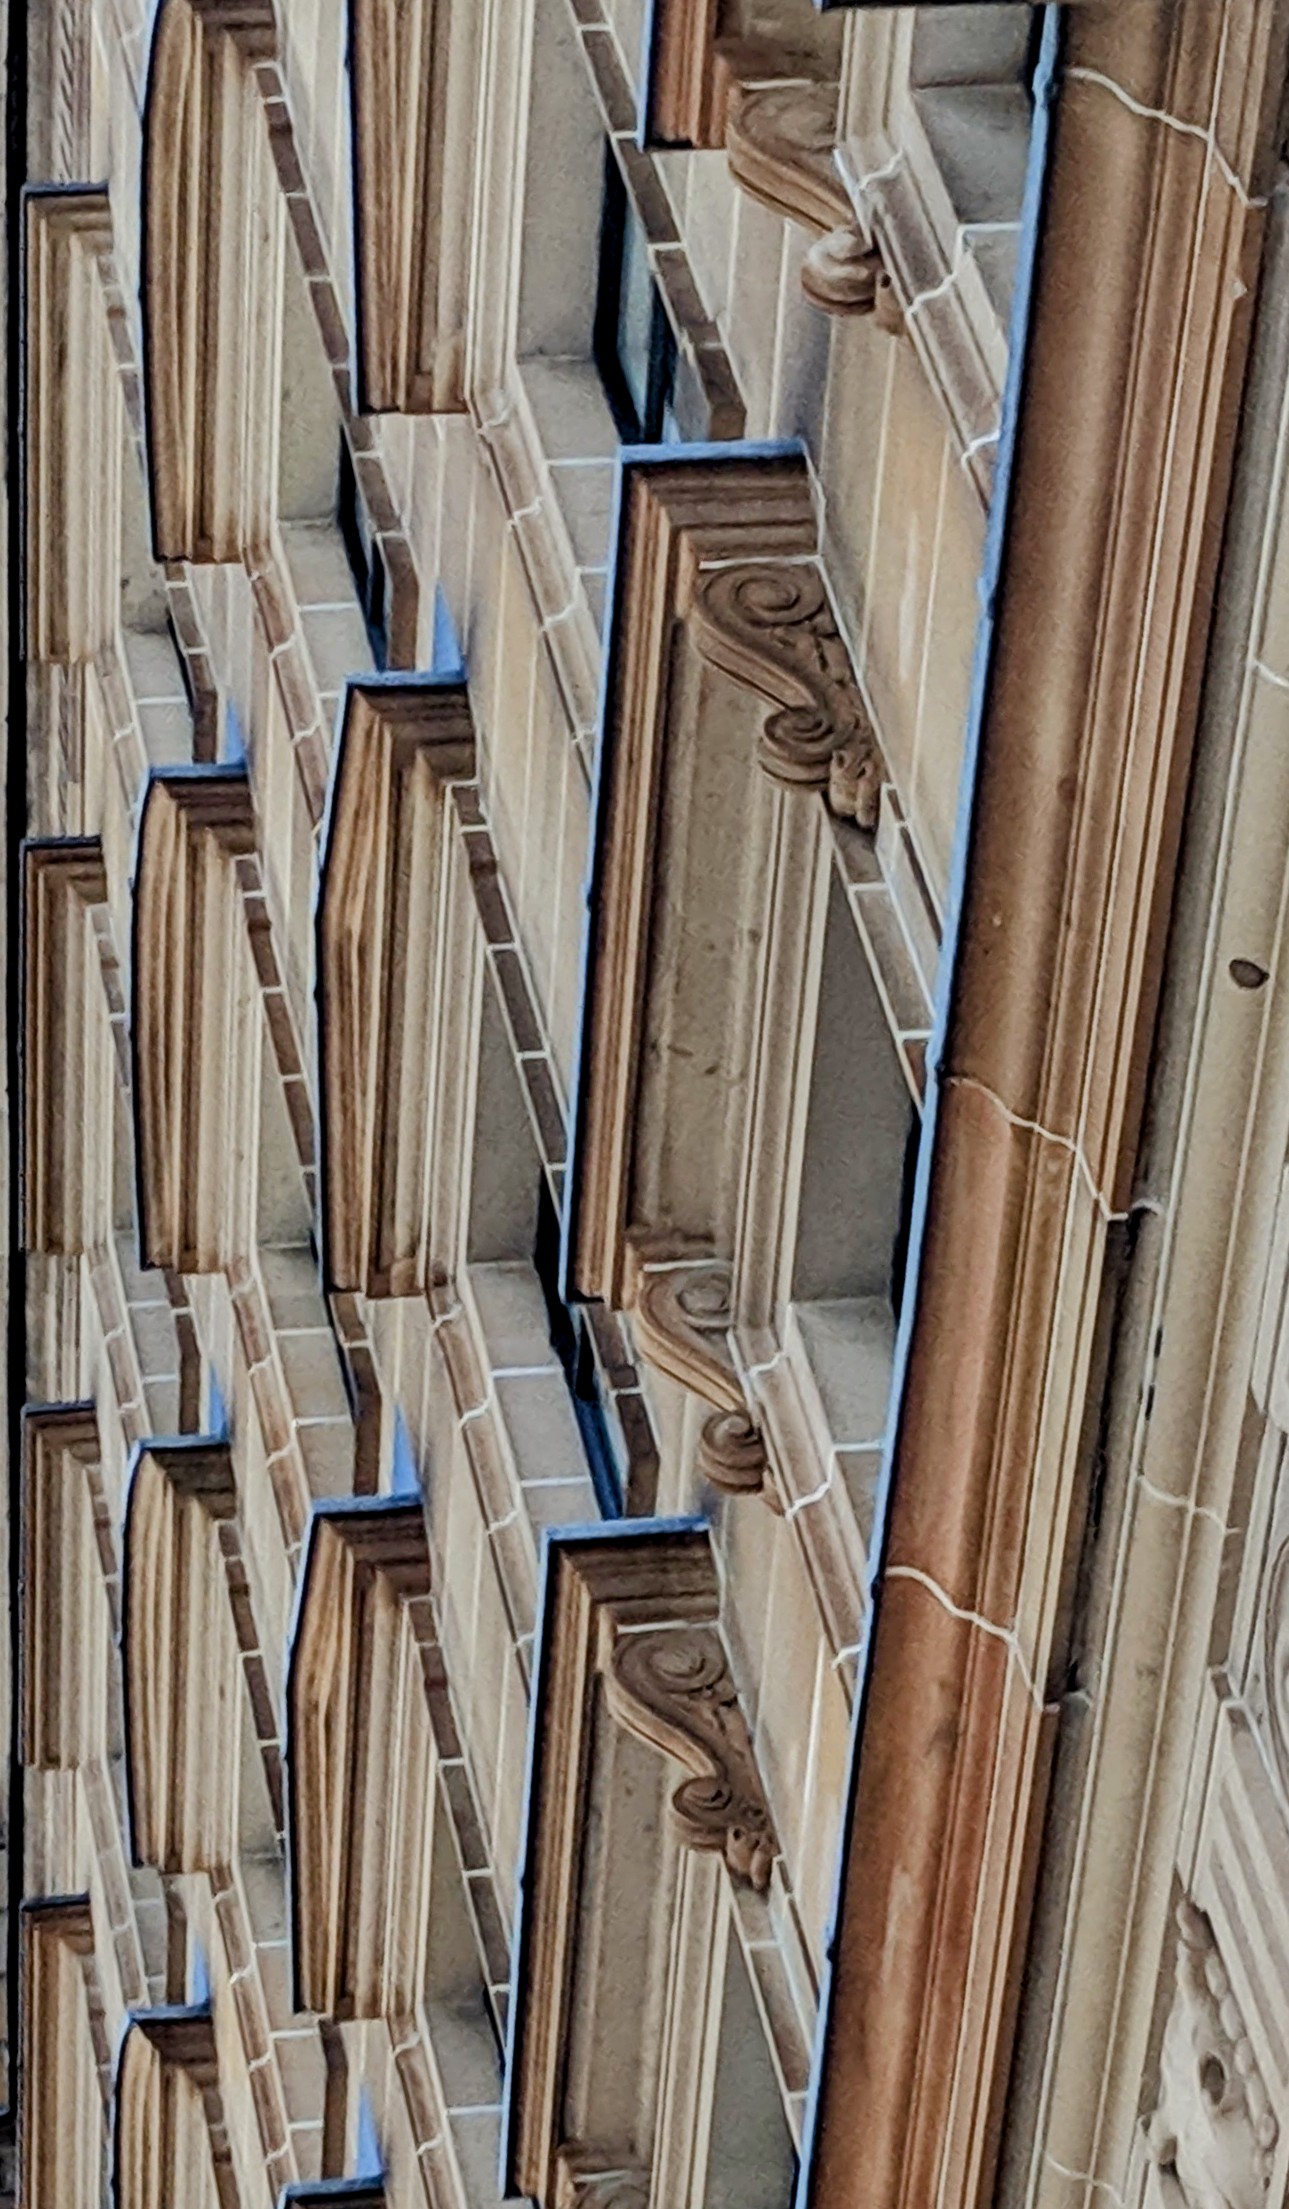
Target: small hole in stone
<point>1247,974</point>
<point>1212,2079</point>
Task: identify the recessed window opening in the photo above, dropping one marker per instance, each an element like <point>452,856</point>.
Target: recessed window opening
<point>633,342</point>
<point>362,549</point>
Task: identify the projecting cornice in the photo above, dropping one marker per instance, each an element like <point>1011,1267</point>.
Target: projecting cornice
<point>74,425</point>
<point>61,2131</point>
<point>411,75</point>
<point>65,1623</point>
<point>188,925</point>
<point>182,1668</point>
<point>629,1627</point>
<point>209,298</point>
<point>167,2099</point>
<point>725,656</point>
<point>360,1760</point>
<point>66,1076</point>
<point>401,740</point>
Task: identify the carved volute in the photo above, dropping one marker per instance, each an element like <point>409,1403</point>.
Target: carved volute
<point>769,625</point>
<point>673,1687</point>
<point>682,1318</point>
<point>1214,2128</point>
<point>781,140</point>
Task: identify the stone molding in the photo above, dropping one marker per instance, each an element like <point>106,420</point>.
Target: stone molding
<point>189,929</point>
<point>65,1199</point>
<point>360,1761</point>
<point>401,741</point>
<point>633,1619</point>
<point>1042,1082</point>
<point>75,428</point>
<point>411,86</point>
<point>65,1621</point>
<point>182,1671</point>
<point>208,303</point>
<point>682,518</point>
<point>168,2134</point>
<point>61,2131</point>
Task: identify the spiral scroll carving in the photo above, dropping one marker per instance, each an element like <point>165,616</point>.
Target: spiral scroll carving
<point>780,140</point>
<point>842,274</point>
<point>674,1690</point>
<point>769,626</point>
<point>682,1319</point>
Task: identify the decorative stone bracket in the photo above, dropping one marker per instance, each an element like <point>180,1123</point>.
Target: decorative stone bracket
<point>780,140</point>
<point>682,1317</point>
<point>629,1627</point>
<point>768,624</point>
<point>674,1689</point>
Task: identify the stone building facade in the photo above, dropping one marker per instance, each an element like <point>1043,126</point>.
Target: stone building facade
<point>648,1249</point>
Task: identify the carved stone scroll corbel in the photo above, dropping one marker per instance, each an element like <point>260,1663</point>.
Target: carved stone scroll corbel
<point>769,626</point>
<point>682,1319</point>
<point>781,141</point>
<point>672,1687</point>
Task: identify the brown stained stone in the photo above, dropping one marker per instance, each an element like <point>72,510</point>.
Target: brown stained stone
<point>616,100</point>
<point>1122,471</point>
<point>991,1270</point>
<point>282,1032</point>
<point>307,237</point>
<point>1091,718</point>
<point>311,762</point>
<point>917,1850</point>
